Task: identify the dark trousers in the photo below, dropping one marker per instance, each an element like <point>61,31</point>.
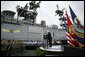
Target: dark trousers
<point>50,43</point>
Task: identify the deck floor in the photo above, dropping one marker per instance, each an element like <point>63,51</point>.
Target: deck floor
<point>27,53</point>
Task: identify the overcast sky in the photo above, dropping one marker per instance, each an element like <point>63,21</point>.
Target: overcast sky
<point>47,10</point>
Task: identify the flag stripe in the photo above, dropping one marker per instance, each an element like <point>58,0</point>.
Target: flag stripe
<point>70,44</point>
<point>69,39</point>
<point>68,36</point>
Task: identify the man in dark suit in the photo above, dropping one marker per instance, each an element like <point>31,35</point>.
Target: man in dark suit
<point>49,38</point>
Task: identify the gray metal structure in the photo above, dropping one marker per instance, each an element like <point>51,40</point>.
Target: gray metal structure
<point>29,32</point>
<point>16,31</point>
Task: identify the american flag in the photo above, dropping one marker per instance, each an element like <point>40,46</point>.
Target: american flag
<point>69,39</point>
<point>68,35</point>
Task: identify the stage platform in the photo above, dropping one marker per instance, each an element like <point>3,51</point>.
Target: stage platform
<point>54,48</point>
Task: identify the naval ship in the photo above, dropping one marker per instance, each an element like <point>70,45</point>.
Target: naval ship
<point>27,29</point>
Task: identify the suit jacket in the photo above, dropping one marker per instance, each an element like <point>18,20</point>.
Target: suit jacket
<point>49,36</point>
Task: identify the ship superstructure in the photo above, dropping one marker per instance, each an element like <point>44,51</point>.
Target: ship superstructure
<point>26,29</point>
